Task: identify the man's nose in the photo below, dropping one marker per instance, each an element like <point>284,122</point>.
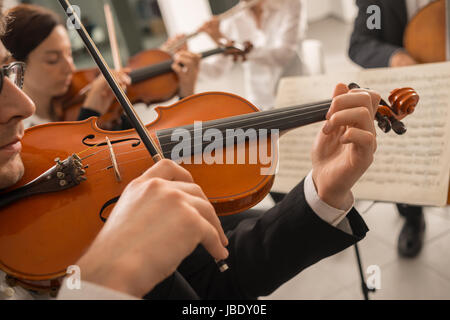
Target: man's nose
<point>14,102</point>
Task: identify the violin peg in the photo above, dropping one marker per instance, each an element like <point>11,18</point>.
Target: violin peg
<point>398,127</point>
<point>353,85</point>
<point>403,101</point>
<point>383,122</point>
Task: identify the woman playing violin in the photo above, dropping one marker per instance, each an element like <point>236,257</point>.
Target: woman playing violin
<point>274,29</point>
<point>37,36</point>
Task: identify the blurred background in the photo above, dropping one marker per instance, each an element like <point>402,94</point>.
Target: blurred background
<point>145,24</point>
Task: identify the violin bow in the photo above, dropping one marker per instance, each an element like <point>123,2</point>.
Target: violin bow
<point>137,123</point>
<point>241,6</point>
<point>112,36</point>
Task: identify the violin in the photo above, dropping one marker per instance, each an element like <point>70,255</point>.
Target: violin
<point>152,81</point>
<point>240,6</point>
<point>63,206</point>
<point>49,219</point>
<point>425,36</point>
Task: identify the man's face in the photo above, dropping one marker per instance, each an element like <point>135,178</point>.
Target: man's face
<point>14,107</point>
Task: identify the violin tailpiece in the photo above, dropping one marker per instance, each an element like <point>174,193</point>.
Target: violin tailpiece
<point>63,175</point>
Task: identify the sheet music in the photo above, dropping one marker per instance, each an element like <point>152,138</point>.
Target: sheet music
<point>412,168</point>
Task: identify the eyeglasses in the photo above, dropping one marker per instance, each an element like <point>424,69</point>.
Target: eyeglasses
<point>14,72</point>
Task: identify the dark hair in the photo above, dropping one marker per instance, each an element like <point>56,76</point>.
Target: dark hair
<point>27,26</point>
<point>2,19</point>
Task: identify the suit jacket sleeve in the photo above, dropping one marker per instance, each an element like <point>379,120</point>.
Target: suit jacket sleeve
<point>268,249</point>
<point>370,48</point>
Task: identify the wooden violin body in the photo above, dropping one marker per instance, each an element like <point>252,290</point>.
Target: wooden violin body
<point>145,87</point>
<point>425,36</point>
<point>42,235</point>
<point>152,81</point>
<point>51,216</point>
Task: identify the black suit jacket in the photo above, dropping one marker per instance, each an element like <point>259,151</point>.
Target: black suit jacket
<point>266,250</point>
<point>373,48</point>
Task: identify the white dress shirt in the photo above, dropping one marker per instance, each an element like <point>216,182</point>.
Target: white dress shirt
<point>413,6</point>
<point>274,46</point>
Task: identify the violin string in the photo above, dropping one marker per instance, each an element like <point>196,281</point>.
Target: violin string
<point>87,149</point>
<point>318,110</point>
<point>248,126</point>
<point>103,150</point>
<point>92,154</point>
<point>141,149</point>
<point>315,113</point>
<point>317,107</point>
<point>121,164</point>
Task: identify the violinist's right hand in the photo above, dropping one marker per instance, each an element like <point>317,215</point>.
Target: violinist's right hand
<point>100,96</point>
<point>402,59</point>
<point>160,219</point>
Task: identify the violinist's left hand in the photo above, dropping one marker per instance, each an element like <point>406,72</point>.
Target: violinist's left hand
<point>100,96</point>
<point>345,146</point>
<point>186,65</point>
<point>171,42</point>
<point>212,28</point>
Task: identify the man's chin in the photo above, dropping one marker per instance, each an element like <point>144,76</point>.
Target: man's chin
<point>11,172</point>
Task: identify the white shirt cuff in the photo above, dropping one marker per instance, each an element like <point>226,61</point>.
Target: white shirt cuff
<point>327,213</point>
<point>91,291</point>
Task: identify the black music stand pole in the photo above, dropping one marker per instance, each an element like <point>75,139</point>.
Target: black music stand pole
<point>364,287</point>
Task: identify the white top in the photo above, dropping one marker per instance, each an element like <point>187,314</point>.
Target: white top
<point>274,46</point>
<point>413,6</point>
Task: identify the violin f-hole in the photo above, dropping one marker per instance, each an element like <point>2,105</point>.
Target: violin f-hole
<point>105,143</point>
<point>105,206</point>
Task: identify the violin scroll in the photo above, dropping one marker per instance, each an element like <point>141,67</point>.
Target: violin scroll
<point>238,50</point>
<point>403,103</point>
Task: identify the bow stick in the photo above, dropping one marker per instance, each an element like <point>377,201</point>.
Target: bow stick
<point>152,148</point>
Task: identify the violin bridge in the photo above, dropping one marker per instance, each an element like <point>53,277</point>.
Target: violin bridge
<point>114,160</point>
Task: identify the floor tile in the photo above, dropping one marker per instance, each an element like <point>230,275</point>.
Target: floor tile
<point>311,284</point>
<point>385,222</point>
<point>436,255</point>
<point>407,279</point>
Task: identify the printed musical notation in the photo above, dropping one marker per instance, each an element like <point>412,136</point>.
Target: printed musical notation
<point>412,168</point>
